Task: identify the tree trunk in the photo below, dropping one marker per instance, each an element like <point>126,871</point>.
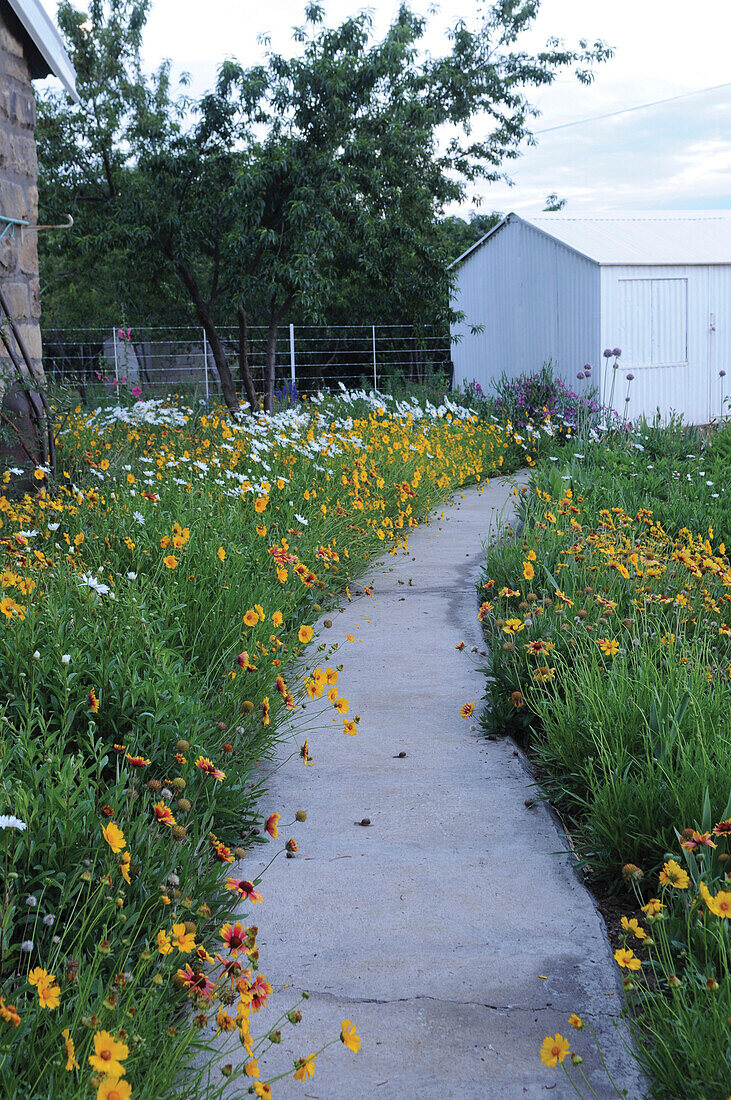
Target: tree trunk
<point>275,316</point>
<point>244,360</point>
<point>203,313</point>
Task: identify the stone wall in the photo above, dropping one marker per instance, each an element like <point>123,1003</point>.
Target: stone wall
<point>18,199</point>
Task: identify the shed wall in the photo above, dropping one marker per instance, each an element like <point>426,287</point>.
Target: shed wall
<point>536,299</point>
<point>673,324</point>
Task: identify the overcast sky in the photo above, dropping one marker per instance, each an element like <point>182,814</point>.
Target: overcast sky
<point>673,156</point>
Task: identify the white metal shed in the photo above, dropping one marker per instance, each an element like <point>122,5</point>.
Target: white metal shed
<point>655,284</point>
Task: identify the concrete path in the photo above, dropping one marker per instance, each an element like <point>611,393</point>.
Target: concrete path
<point>450,930</point>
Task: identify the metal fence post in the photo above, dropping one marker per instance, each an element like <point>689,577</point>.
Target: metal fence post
<point>205,362</point>
<point>116,360</point>
<point>292,366</point>
<point>375,364</point>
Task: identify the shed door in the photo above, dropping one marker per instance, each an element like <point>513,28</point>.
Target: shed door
<point>654,322</point>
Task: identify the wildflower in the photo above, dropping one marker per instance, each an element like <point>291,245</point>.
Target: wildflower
<point>182,939</point>
<point>608,646</point>
<point>221,554</point>
<point>720,905</point>
<point>114,837</point>
<point>245,889</point>
<point>114,1088</point>
<point>93,702</point>
<point>164,945</point>
<point>170,561</point>
<point>251,618</point>
<point>243,662</point>
<point>513,626</point>
<point>564,598</point>
<point>194,981</point>
<point>349,1036</point>
<point>625,957</point>
<point>631,872</point>
<point>528,570</point>
<point>305,1068</point>
<point>673,874</point>
<point>576,1021</point>
<point>235,937</point>
<point>467,709</point>
<point>723,828</point>
<point>109,1053</point>
<point>305,634</point>
<point>222,852</point>
<point>342,706</point>
<point>137,761</point>
<point>271,825</point>
<point>539,645</point>
<point>9,1013</point>
<point>693,839</point>
<point>632,925</point>
<point>7,821</point>
<point>517,699</point>
<point>305,753</point>
<point>205,765</point>
<point>292,845</point>
<point>351,728</point>
<point>224,1022</point>
<point>71,1063</point>
<point>554,1050</point>
<point>163,813</point>
<point>653,907</point>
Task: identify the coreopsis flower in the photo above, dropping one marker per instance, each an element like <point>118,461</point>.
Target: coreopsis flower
<point>554,1049</point>
<point>626,958</point>
<point>251,1069</point>
<point>209,768</point>
<point>164,945</point>
<point>109,1053</point>
<point>114,837</point>
<point>164,814</point>
<point>136,761</point>
<point>632,925</point>
<point>9,1013</point>
<point>467,710</point>
<point>305,753</point>
<point>608,646</point>
<point>673,874</point>
<point>350,728</point>
<point>349,1036</point>
<point>114,1088</point>
<point>221,554</point>
<point>245,889</point>
<point>263,1091</point>
<point>528,570</point>
<point>576,1021</point>
<point>720,905</point>
<point>93,702</point>
<point>71,1062</point>
<point>653,907</point>
<point>124,866</point>
<point>272,825</point>
<point>171,562</point>
<point>224,1022</point>
<point>182,939</point>
<point>342,706</point>
<point>265,711</point>
<point>251,618</point>
<point>305,634</point>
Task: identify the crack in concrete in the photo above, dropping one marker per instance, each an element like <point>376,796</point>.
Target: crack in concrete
<point>554,1006</point>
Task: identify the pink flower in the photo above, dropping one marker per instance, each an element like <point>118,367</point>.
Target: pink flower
<point>137,391</point>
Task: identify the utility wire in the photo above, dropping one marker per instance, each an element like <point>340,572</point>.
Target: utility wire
<point>628,110</point>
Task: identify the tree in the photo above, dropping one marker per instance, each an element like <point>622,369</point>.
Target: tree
<point>290,173</point>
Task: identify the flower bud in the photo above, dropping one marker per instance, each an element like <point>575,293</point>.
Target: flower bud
<point>301,815</point>
<point>182,745</point>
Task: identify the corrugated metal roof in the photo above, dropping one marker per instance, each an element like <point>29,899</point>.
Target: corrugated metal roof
<point>636,237</point>
<point>42,32</point>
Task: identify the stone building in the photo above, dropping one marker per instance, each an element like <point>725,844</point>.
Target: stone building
<point>30,47</point>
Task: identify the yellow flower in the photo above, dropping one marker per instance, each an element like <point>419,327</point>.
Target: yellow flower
<point>251,1069</point>
<point>170,561</point>
<point>49,995</point>
<point>632,925</point>
<point>251,618</point>
<point>554,1050</point>
<point>349,1036</point>
<point>71,1062</point>
<point>260,504</point>
<point>221,554</point>
<point>466,710</point>
<point>277,618</point>
<point>124,866</point>
<point>608,646</point>
<point>351,728</point>
<point>108,1054</point>
<point>305,634</point>
<point>164,945</point>
<point>114,837</point>
<point>342,706</point>
<point>625,957</point>
<point>528,570</point>
<point>576,1021</point>
<point>673,874</point>
<point>184,941</point>
<point>305,1067</point>
<point>114,1088</point>
<point>653,907</point>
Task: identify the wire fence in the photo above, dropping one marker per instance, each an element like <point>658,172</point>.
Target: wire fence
<point>159,360</point>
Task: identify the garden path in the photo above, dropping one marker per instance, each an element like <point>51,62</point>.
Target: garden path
<point>452,930</point>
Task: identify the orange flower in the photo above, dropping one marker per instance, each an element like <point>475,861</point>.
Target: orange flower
<point>163,813</point>
<point>137,761</point>
<point>234,936</point>
<point>305,634</point>
<point>271,825</point>
<point>205,765</point>
<point>467,710</point>
<point>170,561</point>
<point>93,702</point>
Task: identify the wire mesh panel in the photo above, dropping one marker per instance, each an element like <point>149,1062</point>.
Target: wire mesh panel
<point>158,360</point>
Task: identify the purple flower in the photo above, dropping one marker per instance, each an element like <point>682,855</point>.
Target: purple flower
<point>607,353</point>
<point>630,376</point>
<point>581,376</point>
<point>617,352</point>
<point>722,374</point>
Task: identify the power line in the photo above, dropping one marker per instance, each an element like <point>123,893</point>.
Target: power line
<point>628,110</point>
